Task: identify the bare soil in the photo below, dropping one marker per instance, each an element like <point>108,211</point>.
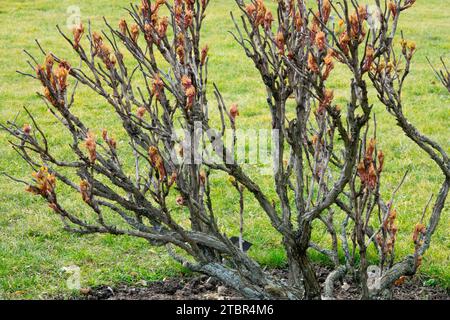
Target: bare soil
<point>205,288</point>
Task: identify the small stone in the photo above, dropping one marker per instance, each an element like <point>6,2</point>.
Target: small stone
<point>221,290</point>
<point>85,291</point>
<point>142,283</point>
<point>345,286</point>
<point>212,296</point>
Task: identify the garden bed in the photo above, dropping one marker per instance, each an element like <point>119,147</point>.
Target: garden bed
<point>204,288</point>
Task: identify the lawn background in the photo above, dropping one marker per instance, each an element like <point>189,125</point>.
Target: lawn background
<point>33,248</point>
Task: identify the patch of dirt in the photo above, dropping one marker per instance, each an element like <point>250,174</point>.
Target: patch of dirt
<point>205,288</point>
<point>198,288</point>
<point>411,289</point>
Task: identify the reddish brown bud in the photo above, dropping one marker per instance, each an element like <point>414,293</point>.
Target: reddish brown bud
<point>189,91</point>
<point>173,178</point>
<point>234,111</point>
<point>61,74</point>
<point>157,86</point>
<point>77,34</point>
<point>344,41</point>
<point>91,146</point>
<point>328,96</point>
<point>380,160</point>
<point>369,59</point>
<point>298,21</point>
<point>188,17</point>
<point>204,55</point>
<point>110,141</point>
<point>320,40</point>
<point>326,10</point>
<point>163,25</point>
<point>134,32</point>
<point>329,65</point>
<point>104,134</point>
<point>203,177</point>
<point>85,190</point>
<point>180,53</point>
<point>140,112</point>
<point>279,40</point>
<point>123,26</point>
<point>45,183</point>
<point>418,230</point>
<point>393,8</point>
<point>400,281</point>
<point>49,62</point>
<point>250,9</point>
<point>370,149</point>
<point>26,129</point>
<point>157,162</point>
<point>312,64</point>
<point>268,20</point>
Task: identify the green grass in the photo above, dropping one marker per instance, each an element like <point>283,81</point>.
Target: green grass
<point>33,249</point>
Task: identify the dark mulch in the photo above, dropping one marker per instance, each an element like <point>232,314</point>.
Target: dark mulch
<point>204,288</point>
<point>198,288</point>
